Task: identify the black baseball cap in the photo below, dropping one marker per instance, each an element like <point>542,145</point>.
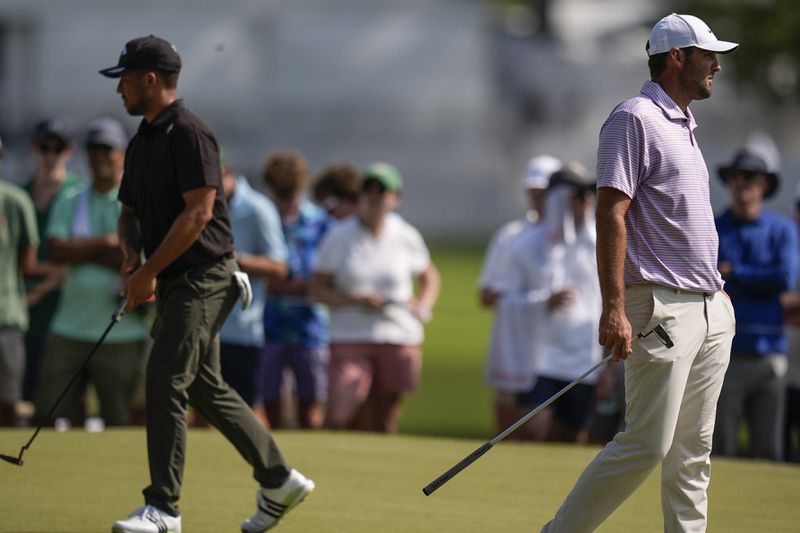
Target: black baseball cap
<point>106,131</point>
<point>54,126</point>
<point>575,176</point>
<point>146,53</point>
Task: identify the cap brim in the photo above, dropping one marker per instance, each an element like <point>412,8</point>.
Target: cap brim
<point>535,183</point>
<point>112,72</point>
<point>389,184</point>
<point>773,180</point>
<point>720,47</point>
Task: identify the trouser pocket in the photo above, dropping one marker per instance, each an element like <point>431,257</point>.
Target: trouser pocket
<point>646,309</point>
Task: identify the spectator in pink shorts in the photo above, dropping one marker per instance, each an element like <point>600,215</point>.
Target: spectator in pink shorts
<point>365,272</point>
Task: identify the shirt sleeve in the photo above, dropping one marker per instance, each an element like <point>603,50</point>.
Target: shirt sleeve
<point>269,226</point>
<point>621,154</point>
<point>59,225</point>
<point>488,267</point>
<point>420,257</point>
<point>124,193</point>
<point>29,231</point>
<point>330,252</point>
<point>765,280</point>
<point>517,290</point>
<point>196,159</point>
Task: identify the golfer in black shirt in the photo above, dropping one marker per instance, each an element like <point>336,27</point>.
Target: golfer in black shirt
<point>173,210</point>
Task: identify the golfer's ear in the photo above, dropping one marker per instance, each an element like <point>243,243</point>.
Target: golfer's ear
<point>150,78</point>
<point>677,56</point>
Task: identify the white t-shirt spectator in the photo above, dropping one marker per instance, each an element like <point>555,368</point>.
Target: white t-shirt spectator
<point>360,262</point>
<point>494,263</point>
<point>562,342</point>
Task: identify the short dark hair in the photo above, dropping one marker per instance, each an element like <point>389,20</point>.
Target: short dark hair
<point>286,173</point>
<point>658,62</point>
<point>170,79</point>
<point>339,180</point>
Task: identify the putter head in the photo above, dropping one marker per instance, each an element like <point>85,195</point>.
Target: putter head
<point>13,460</point>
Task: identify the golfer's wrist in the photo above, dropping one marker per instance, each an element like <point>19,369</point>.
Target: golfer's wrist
<point>147,269</point>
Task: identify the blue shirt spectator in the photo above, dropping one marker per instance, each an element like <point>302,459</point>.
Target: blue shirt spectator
<point>256,230</point>
<point>762,255</point>
<point>288,319</point>
<point>758,261</point>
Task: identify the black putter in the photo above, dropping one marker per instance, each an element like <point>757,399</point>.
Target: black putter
<point>659,331</point>
<point>114,319</point>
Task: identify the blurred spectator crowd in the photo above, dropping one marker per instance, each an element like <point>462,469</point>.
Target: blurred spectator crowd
<point>343,287</point>
<point>540,281</point>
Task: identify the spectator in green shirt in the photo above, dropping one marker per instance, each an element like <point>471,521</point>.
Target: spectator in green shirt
<point>18,241</point>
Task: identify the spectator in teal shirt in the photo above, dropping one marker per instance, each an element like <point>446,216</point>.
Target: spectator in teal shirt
<point>82,234</point>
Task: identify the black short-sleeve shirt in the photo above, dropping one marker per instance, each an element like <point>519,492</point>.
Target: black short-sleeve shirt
<point>175,154</point>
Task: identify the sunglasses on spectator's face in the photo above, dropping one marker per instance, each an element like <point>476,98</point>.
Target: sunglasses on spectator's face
<point>373,186</point>
<point>100,148</point>
<point>747,175</point>
<point>52,148</point>
<point>330,203</point>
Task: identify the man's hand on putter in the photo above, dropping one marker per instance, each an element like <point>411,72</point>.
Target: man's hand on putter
<point>616,333</point>
<point>139,286</point>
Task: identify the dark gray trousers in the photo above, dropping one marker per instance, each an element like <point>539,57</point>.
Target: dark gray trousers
<point>184,368</point>
<point>753,393</point>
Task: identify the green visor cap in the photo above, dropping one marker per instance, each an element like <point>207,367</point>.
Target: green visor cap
<point>386,174</point>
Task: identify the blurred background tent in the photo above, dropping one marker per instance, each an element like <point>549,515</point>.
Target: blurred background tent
<point>457,93</point>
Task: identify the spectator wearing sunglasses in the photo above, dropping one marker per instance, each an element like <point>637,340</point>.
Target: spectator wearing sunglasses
<point>366,271</point>
<point>52,145</point>
<point>336,190</point>
<point>757,260</point>
<point>82,233</point>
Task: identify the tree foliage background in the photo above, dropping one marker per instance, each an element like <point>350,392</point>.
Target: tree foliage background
<point>768,61</point>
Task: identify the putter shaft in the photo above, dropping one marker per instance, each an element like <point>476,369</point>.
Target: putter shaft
<point>114,319</point>
<point>477,454</point>
<point>662,336</point>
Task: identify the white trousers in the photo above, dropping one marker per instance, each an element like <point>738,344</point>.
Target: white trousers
<point>671,398</point>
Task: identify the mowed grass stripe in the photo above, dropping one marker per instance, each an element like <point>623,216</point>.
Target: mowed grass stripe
<point>81,482</point>
<point>453,399</point>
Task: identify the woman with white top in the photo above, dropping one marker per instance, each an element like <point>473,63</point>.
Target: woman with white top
<point>365,272</point>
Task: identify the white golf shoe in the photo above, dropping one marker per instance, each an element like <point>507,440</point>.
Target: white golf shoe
<point>148,519</point>
<point>273,504</point>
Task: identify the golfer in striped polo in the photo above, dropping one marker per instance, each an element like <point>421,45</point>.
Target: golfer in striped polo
<point>657,263</point>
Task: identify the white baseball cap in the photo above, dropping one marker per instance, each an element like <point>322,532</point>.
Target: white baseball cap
<point>539,170</point>
<point>682,31</point>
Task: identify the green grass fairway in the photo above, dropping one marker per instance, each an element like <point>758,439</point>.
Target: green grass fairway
<point>453,399</point>
<point>81,482</point>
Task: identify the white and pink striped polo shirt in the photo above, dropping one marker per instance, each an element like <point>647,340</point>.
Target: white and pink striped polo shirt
<point>649,152</point>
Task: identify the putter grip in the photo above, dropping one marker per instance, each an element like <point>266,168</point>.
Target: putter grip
<point>120,312</point>
<point>461,465</point>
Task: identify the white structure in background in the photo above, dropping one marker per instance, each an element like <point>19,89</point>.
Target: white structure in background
<point>432,86</point>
